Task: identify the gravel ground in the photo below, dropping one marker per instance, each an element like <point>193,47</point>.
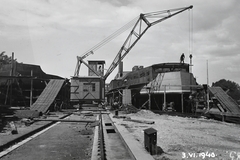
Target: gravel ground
<point>187,138</point>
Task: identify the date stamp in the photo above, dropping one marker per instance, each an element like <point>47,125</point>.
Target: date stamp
<point>234,155</point>
<point>202,155</point>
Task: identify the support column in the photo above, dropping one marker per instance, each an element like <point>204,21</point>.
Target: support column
<point>165,98</point>
<point>149,95</point>
<point>182,102</point>
<point>11,80</point>
<point>31,92</point>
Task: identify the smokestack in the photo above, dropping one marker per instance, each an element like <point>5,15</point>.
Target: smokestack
<point>120,69</point>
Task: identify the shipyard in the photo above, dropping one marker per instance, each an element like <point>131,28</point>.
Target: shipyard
<point>149,81</point>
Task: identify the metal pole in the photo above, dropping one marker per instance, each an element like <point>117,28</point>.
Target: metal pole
<point>182,102</point>
<point>149,94</point>
<point>165,97</point>
<point>190,71</point>
<point>31,92</point>
<point>207,89</point>
<point>113,99</point>
<point>11,81</point>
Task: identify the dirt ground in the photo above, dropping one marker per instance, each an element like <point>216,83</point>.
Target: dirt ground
<point>187,138</point>
<point>66,140</point>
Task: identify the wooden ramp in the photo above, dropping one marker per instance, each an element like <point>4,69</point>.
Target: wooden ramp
<point>225,100</point>
<point>48,95</point>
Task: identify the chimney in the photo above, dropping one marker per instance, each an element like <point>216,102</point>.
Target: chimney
<point>120,69</point>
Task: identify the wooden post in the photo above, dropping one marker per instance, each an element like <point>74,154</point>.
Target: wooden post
<point>207,89</point>
<point>31,92</point>
<point>11,81</point>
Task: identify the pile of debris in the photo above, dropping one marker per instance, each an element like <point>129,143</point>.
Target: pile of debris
<point>127,109</point>
<point>145,114</point>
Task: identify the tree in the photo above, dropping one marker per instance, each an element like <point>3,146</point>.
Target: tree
<point>230,87</point>
<point>5,59</point>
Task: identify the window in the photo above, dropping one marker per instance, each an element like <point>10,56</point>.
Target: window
<point>89,87</point>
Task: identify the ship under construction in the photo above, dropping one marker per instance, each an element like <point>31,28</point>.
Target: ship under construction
<point>154,87</point>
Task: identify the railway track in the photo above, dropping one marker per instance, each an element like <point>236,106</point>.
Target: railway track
<point>106,144</point>
<point>110,142</point>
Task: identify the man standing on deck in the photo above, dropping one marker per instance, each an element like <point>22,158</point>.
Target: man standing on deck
<point>182,58</point>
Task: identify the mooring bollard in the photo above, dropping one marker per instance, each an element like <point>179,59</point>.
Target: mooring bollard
<point>150,140</point>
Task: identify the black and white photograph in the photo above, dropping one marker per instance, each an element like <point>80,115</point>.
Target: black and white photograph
<point>119,80</point>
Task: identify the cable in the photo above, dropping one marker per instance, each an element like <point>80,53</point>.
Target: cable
<point>190,32</point>
<point>112,36</point>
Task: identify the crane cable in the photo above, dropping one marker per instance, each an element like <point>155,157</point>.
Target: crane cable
<point>112,36</point>
<point>124,28</point>
<point>190,49</point>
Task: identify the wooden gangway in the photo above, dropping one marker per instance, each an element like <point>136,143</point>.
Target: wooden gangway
<point>48,96</point>
<point>229,104</point>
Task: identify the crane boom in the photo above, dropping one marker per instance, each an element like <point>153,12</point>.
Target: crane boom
<point>80,61</point>
<point>100,44</point>
<point>144,22</point>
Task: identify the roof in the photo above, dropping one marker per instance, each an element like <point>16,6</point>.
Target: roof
<point>22,69</point>
<point>171,65</point>
<point>171,82</point>
<point>124,75</point>
<point>86,77</point>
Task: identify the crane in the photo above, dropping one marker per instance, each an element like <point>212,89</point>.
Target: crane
<point>144,22</point>
<point>99,45</point>
<point>92,88</point>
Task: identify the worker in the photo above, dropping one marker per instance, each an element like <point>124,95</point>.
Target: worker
<point>182,58</point>
<point>172,106</point>
<point>115,104</point>
<point>190,104</point>
<point>165,107</point>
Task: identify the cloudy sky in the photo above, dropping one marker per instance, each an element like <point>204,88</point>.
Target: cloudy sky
<point>52,33</point>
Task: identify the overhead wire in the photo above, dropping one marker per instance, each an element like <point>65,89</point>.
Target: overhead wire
<point>112,36</point>
<point>190,32</point>
<point>190,47</point>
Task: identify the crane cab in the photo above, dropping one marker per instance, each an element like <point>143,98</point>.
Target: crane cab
<point>89,89</point>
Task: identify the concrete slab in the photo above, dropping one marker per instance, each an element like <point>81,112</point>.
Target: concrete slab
<point>115,147</point>
<point>136,148</point>
<point>7,137</point>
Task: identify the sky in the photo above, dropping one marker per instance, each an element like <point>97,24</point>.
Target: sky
<point>52,33</point>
